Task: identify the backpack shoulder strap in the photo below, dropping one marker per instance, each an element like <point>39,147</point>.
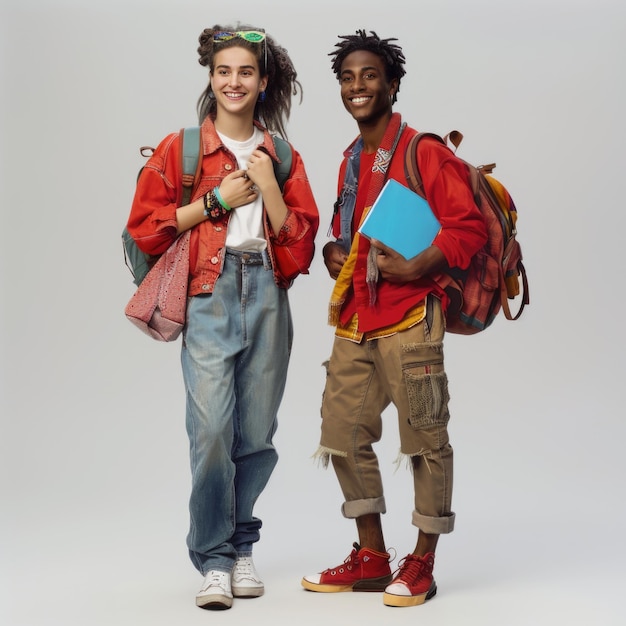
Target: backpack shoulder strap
<point>445,280</point>
<point>411,171</point>
<point>284,151</point>
<point>191,163</point>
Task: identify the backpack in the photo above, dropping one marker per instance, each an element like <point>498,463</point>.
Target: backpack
<point>138,262</point>
<point>493,277</point>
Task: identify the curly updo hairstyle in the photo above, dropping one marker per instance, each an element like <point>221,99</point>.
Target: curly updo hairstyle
<point>282,82</point>
<point>390,53</point>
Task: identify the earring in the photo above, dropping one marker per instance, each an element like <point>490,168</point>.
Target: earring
<point>262,96</point>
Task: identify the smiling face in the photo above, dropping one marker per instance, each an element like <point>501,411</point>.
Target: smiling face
<point>365,91</point>
<point>236,81</point>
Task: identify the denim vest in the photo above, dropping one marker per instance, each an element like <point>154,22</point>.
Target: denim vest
<point>347,198</point>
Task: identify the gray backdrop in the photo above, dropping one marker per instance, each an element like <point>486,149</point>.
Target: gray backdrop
<point>94,452</point>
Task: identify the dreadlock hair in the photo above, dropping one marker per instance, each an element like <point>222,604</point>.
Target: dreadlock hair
<point>282,82</point>
<point>390,53</point>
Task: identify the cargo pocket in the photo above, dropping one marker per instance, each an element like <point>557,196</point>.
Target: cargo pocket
<point>428,398</point>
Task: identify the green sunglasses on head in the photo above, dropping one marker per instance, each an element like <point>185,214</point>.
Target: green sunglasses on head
<point>253,36</point>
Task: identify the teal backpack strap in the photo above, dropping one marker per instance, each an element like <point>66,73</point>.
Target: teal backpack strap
<point>284,151</point>
<point>137,261</point>
<point>191,163</point>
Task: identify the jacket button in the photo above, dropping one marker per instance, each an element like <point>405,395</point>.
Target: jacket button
<point>218,229</point>
<point>206,287</point>
<point>215,260</point>
<point>228,167</point>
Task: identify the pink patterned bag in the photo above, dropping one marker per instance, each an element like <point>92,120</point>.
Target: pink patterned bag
<point>159,306</point>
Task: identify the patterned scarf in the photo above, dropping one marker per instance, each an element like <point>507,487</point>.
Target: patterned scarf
<point>379,175</point>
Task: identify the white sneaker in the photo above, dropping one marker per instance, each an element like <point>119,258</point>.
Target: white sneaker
<point>216,592</point>
<point>246,581</point>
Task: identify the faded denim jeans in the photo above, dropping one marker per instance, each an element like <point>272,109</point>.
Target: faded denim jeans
<point>405,369</point>
<point>236,349</point>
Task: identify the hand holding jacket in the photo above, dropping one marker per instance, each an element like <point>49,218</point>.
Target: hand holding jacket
<point>153,219</point>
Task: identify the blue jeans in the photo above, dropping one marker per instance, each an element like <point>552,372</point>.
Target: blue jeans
<point>236,348</point>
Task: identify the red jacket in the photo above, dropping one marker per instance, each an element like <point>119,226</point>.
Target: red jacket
<point>152,221</point>
<point>463,233</point>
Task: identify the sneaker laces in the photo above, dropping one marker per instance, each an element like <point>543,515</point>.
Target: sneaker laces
<point>412,568</point>
<point>244,568</point>
<point>216,579</point>
<point>352,559</point>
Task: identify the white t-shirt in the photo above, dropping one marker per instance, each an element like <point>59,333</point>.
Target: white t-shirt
<point>245,226</point>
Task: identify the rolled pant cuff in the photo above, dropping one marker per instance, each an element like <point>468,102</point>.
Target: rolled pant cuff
<point>434,525</point>
<point>356,508</point>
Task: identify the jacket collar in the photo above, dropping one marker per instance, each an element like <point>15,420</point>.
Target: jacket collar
<point>357,144</point>
<point>211,141</point>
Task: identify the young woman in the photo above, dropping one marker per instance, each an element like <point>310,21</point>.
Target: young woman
<point>238,334</point>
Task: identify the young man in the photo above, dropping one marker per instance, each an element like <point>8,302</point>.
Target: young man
<point>389,313</point>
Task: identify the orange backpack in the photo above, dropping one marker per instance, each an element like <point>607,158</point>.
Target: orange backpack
<point>493,277</point>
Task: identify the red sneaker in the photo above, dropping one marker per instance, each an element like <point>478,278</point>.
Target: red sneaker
<point>363,570</point>
<point>414,582</point>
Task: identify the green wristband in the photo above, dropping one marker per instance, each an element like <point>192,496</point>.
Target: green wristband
<point>221,200</point>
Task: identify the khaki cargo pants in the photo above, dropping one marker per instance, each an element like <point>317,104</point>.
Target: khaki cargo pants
<point>405,369</point>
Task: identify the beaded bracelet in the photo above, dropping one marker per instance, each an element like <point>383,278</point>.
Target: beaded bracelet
<point>213,209</point>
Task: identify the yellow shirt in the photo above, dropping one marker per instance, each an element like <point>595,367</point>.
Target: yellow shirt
<point>350,331</point>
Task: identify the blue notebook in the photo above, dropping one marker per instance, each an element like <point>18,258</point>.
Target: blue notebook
<point>401,219</point>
